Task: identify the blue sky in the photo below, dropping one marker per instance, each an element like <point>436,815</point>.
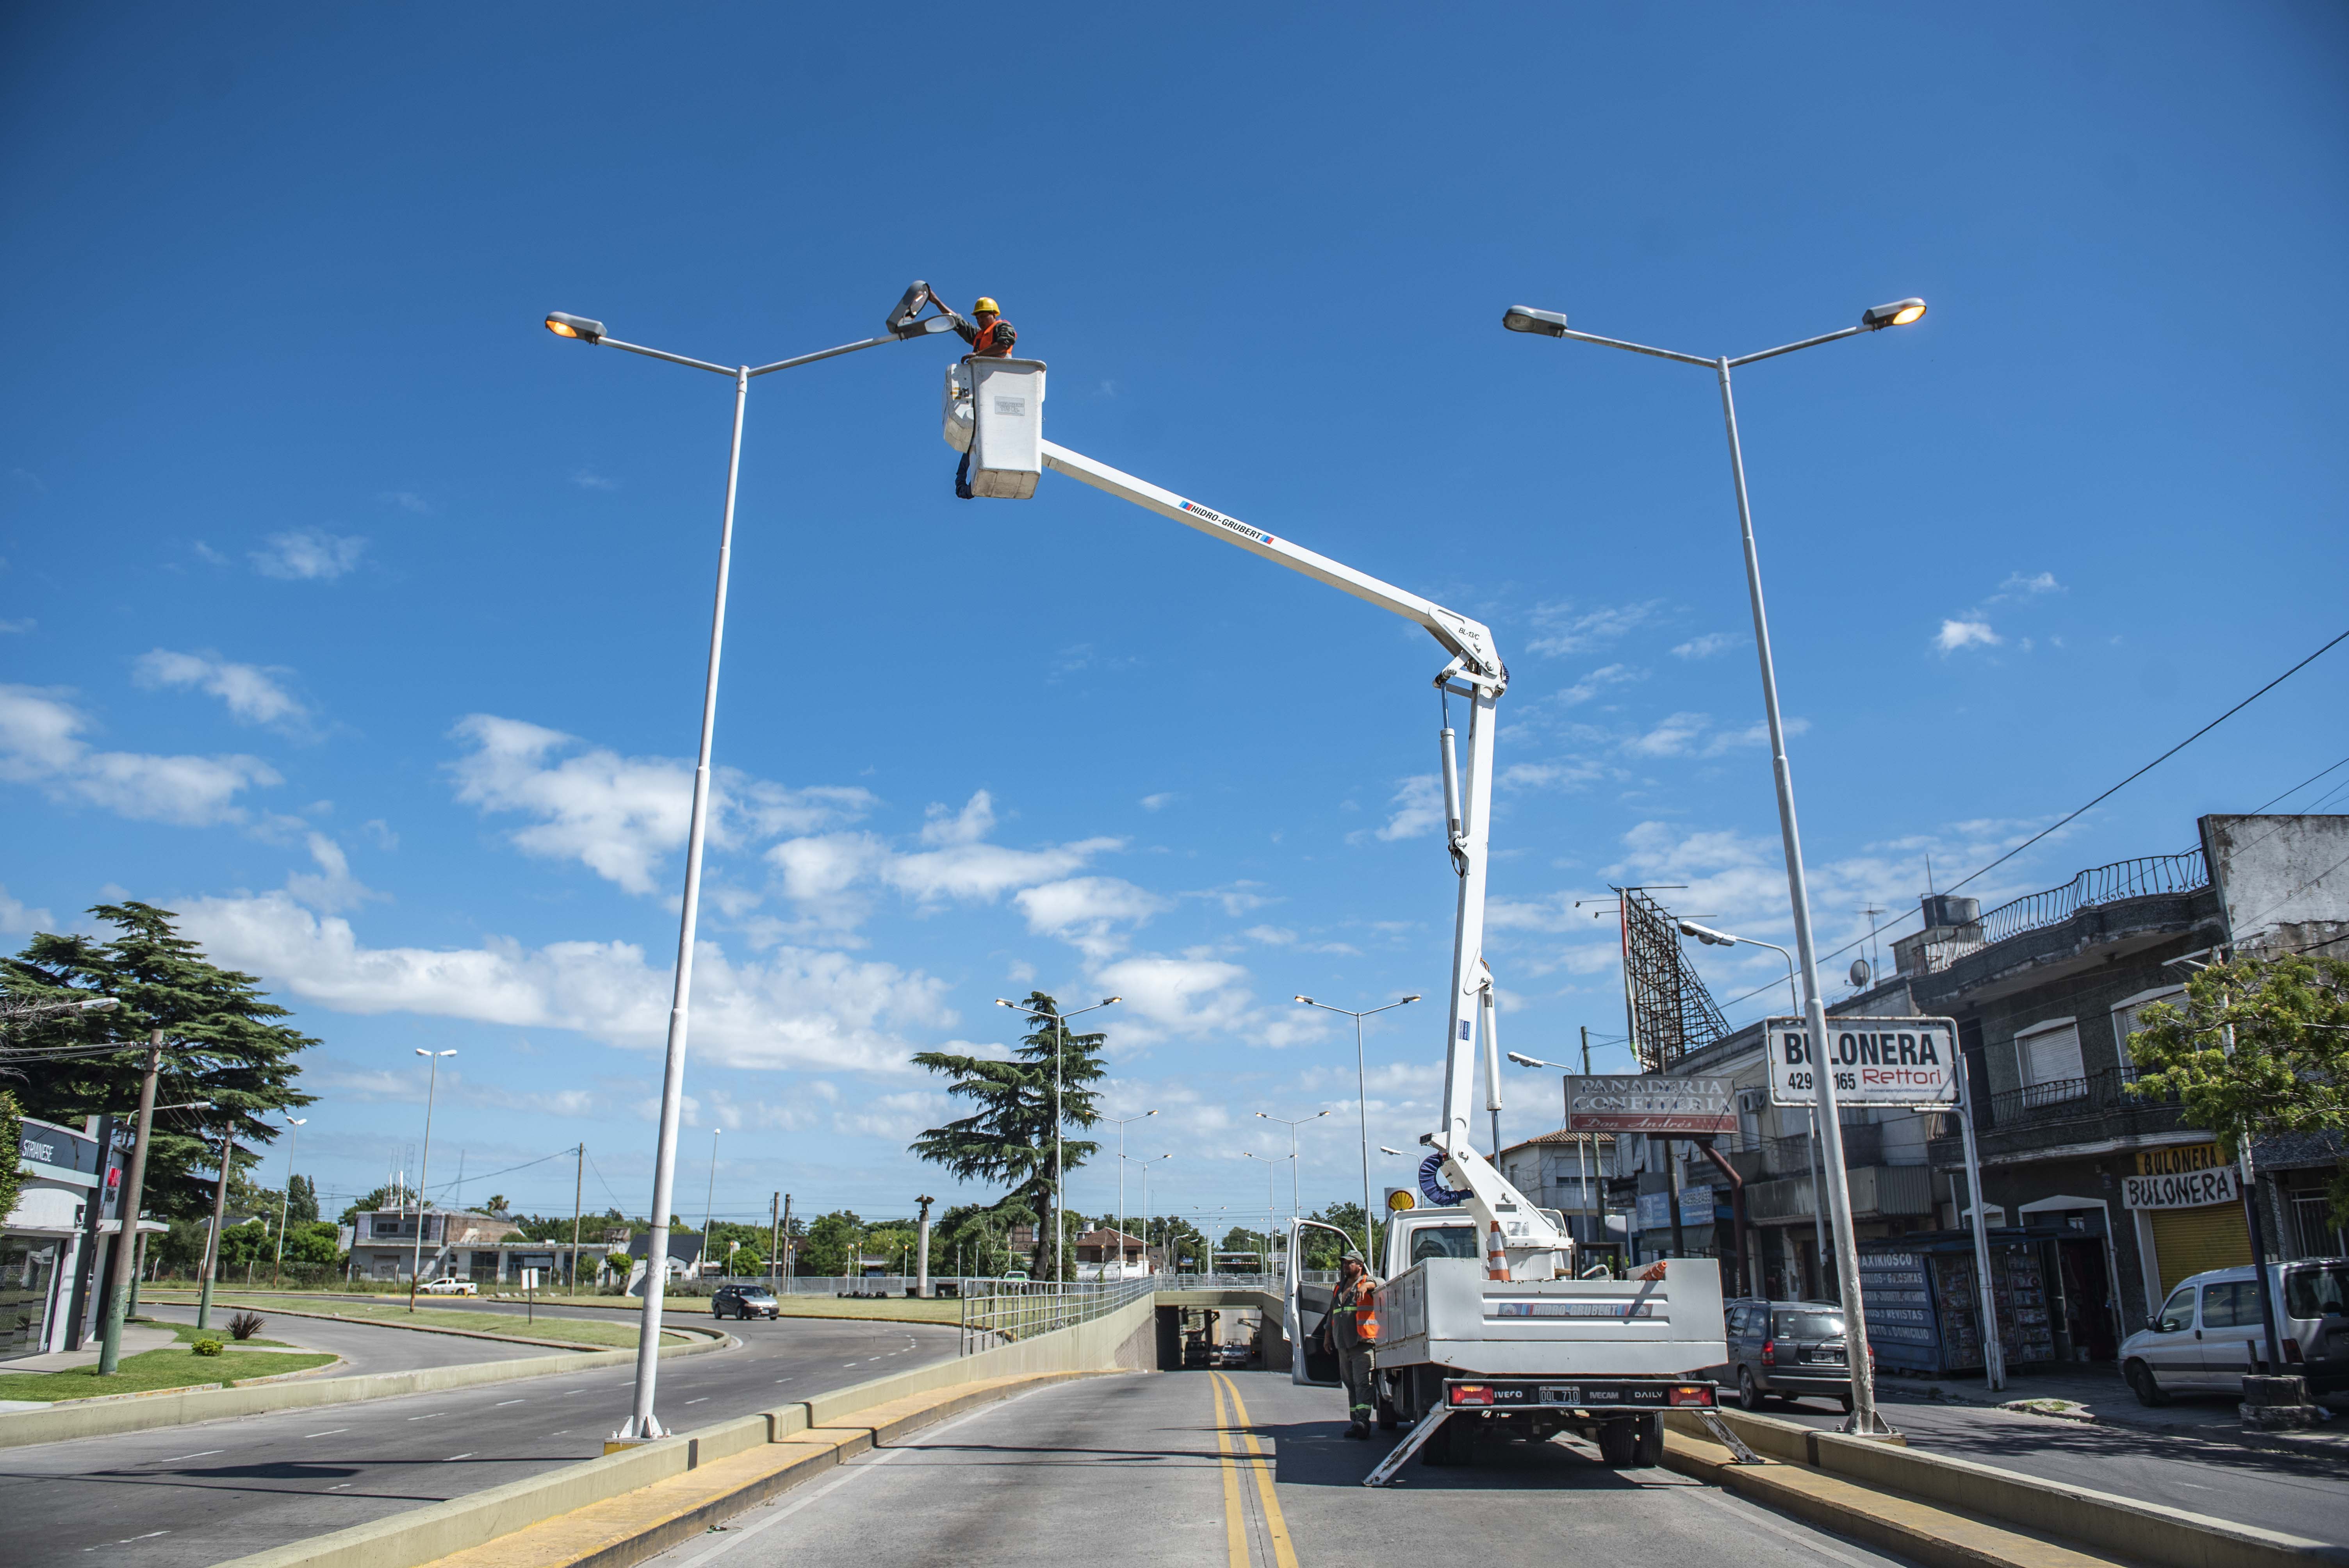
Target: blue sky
<point>355,617</point>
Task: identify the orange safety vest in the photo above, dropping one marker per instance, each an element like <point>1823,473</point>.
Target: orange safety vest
<point>1362,1309</point>
<point>984,344</point>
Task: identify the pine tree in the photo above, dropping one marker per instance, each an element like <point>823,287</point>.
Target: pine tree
<point>221,1043</point>
<point>1009,1138</point>
<point>301,1199</point>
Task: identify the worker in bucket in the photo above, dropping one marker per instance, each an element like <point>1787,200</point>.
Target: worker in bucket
<point>989,335</point>
<point>1349,1331</point>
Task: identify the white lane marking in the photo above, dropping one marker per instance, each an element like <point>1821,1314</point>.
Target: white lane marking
<point>825,1490</point>
<point>782,1379</point>
<point>149,1536</point>
<point>503,1403</point>
<point>452,1459</point>
<point>1816,1542</point>
<point>697,1401</point>
<point>175,1459</point>
<point>568,1392</point>
<point>340,1484</point>
<point>329,1432</point>
<point>434,1415</point>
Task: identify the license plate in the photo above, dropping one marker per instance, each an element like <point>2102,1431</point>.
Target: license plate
<point>1825,1353</point>
<point>1560,1394</point>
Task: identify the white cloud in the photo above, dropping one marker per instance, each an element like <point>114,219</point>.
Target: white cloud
<point>1271,935</point>
<point>1956,634</point>
<point>1596,681</point>
<point>406,500</point>
<point>17,628</point>
<point>1674,737</point>
<point>588,479</point>
<point>19,919</point>
<point>1238,898</point>
<point>961,866</point>
<point>898,1118</point>
<point>1418,809</point>
<point>334,889</point>
<point>40,745</point>
<point>1183,997</point>
<point>253,694</point>
<point>1085,911</point>
<point>1564,632</point>
<point>1157,803</point>
<point>2031,584</point>
<point>621,816</point>
<point>309,555</point>
<point>799,1008</point>
<point>1559,775</point>
<point>1705,646</point>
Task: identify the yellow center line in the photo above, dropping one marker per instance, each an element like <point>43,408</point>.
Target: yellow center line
<point>1284,1555</point>
<point>1235,1527</point>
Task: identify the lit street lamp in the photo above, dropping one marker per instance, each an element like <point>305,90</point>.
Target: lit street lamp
<point>1899,313</point>
<point>423,1166</point>
<point>1362,1099</point>
<point>901,325</point>
<point>1059,1051</point>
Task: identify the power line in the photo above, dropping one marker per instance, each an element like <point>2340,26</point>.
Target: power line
<point>2115,790</point>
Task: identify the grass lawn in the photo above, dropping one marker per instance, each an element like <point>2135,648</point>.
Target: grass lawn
<point>171,1368</point>
<point>619,1333</point>
<point>219,1330</point>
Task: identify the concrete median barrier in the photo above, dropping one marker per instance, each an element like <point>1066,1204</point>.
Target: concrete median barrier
<point>175,1408</point>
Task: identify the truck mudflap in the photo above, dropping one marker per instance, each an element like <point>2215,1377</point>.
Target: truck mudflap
<point>1595,1395</point>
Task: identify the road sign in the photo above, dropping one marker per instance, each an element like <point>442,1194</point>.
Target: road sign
<point>1633,1102</point>
<point>1908,1062</point>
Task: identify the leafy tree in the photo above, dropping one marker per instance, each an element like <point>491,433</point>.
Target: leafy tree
<point>834,1240</point>
<point>2288,1069</point>
<point>378,1199</point>
<point>1007,1138</point>
<point>1178,1242</point>
<point>12,1129</point>
<point>221,1043</point>
<point>1322,1250</point>
<point>1238,1240</point>
<point>497,1204</point>
<point>311,1241</point>
<point>302,1199</point>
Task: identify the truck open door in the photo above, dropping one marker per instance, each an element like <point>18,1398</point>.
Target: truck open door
<point>1310,1360</point>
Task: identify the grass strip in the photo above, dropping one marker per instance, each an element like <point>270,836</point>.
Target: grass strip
<point>619,1333</point>
<point>153,1369</point>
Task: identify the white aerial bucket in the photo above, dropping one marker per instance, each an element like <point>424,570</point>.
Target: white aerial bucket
<point>995,410</point>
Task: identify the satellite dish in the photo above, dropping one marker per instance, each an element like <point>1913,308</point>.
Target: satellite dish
<point>1861,974</point>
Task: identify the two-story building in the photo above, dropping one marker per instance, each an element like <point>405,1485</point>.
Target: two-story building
<point>56,1260</point>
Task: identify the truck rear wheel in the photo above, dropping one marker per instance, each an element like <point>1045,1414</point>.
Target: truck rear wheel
<point>1648,1442</point>
<point>1618,1443</point>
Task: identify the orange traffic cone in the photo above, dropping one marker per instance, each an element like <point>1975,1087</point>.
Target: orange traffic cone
<point>1497,1256</point>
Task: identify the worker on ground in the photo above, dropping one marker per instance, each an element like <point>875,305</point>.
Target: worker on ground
<point>991,337</point>
<point>1349,1331</point>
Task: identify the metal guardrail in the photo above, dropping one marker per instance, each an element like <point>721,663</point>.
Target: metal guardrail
<point>2139,878</point>
<point>2062,1099</point>
<point>1016,1309</point>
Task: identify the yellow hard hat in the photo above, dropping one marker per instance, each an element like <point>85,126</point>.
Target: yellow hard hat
<point>986,307</point>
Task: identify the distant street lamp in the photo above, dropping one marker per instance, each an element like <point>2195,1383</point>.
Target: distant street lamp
<point>1295,1206</point>
<point>293,1127</point>
<point>1145,1165</point>
<point>709,1208</point>
<point>1120,1121</point>
<point>901,325</point>
<point>1059,1267</point>
<point>423,1167</point>
<point>1271,1204</point>
<point>1899,313</point>
<point>1362,1100</point>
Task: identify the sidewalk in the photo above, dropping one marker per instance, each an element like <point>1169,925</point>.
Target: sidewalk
<point>2098,1394</point>
<point>135,1339</point>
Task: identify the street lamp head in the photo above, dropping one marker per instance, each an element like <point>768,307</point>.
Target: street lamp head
<point>1396,1153</point>
<point>1412,997</point>
<point>98,1004</point>
<point>1306,1000</point>
<point>1526,318</point>
<point>1706,934</point>
<point>1899,313</point>
<point>578,326</point>
<point>1111,1001</point>
<point>1523,1060</point>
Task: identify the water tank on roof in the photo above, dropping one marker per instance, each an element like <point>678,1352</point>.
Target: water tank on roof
<point>1949,908</point>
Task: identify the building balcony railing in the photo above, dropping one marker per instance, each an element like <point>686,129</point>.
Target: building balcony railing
<point>2144,876</point>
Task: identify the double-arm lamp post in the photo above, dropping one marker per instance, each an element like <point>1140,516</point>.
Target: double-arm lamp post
<point>1899,313</point>
<point>1061,1050</point>
<point>1362,1103</point>
<point>902,326</point>
<point>1120,1121</point>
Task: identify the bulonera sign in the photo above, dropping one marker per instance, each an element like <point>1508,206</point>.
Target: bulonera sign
<point>1876,1061</point>
<point>2189,1176</point>
<point>1635,1103</point>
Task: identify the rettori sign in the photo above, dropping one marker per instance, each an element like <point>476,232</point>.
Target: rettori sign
<point>1876,1061</point>
<point>1642,1103</point>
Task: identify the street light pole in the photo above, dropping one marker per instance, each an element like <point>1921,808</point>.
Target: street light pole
<point>286,1198</point>
<point>1295,1207</point>
<point>1363,1104</point>
<point>902,326</point>
<point>709,1207</point>
<point>1120,1121</point>
<point>1060,1051</point>
<point>220,1217</point>
<point>423,1167</point>
<point>1271,1202</point>
<point>1901,313</point>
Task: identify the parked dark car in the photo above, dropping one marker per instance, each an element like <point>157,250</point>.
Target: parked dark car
<point>1789,1349</point>
<point>744,1301</point>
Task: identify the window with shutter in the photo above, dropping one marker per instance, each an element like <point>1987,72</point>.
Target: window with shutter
<point>2051,1065</point>
<point>2127,1017</point>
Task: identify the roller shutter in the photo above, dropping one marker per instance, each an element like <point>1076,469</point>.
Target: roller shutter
<point>2188,1241</point>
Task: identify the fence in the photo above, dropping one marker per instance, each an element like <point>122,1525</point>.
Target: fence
<point>2102,884</point>
<point>2064,1099</point>
<point>1014,1310</point>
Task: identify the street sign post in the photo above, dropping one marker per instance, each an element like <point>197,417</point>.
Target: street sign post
<point>1906,1063</point>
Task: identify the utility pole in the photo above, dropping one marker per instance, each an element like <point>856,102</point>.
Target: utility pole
<point>774,1232</point>
<point>220,1217</point>
<point>578,1191</point>
<point>922,1248</point>
<point>790,1270</point>
<point>87,1276</point>
<point>126,1243</point>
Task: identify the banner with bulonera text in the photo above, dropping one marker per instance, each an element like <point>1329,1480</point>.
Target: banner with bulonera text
<point>2183,1176</point>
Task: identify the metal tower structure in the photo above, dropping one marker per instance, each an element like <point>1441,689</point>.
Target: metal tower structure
<point>1666,1007</point>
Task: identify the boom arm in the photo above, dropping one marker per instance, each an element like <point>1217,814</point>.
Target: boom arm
<point>1477,674</point>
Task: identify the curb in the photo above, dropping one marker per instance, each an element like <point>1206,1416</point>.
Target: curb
<point>2314,1444</point>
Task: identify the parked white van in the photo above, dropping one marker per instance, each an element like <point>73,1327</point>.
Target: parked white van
<point>2208,1335</point>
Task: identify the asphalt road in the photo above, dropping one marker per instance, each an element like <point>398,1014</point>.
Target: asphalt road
<point>1128,1470</point>
<point>2300,1494</point>
<point>187,1497</point>
<point>364,1347</point>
